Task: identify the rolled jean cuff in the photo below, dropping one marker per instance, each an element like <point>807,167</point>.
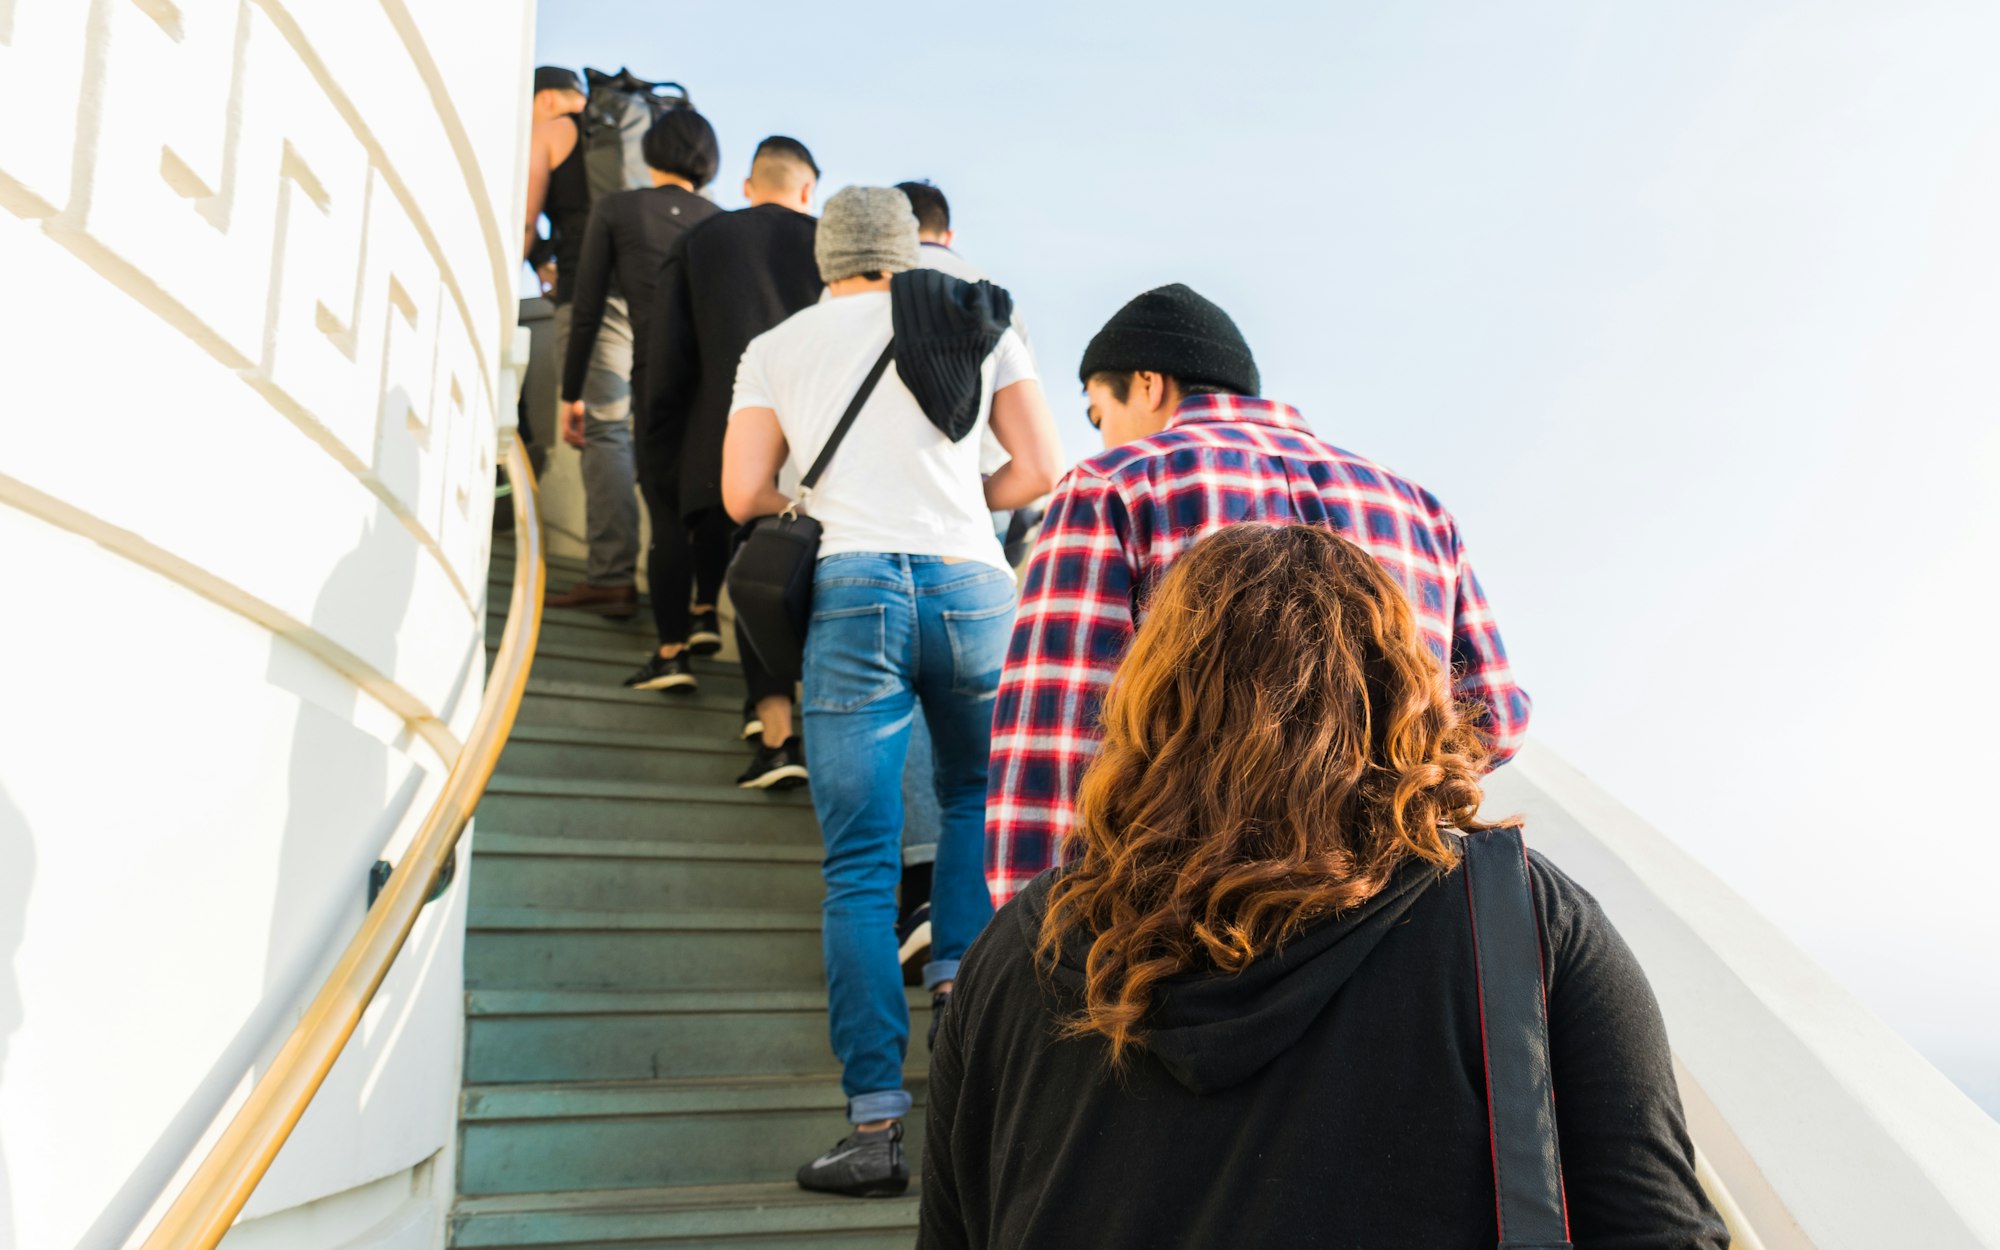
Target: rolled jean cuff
<point>888,1104</point>
<point>938,971</point>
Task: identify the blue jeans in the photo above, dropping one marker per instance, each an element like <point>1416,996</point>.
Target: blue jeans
<point>889,633</point>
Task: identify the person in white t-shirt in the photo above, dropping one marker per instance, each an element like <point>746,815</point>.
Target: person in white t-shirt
<point>913,604</point>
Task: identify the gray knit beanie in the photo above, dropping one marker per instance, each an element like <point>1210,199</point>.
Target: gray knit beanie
<point>866,230</point>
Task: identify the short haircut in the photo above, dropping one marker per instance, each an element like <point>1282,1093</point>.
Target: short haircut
<point>928,203</point>
<point>1120,385</point>
<point>782,161</point>
<point>682,142</point>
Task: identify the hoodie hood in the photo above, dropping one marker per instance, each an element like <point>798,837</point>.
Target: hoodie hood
<point>1215,1030</point>
<point>944,331</point>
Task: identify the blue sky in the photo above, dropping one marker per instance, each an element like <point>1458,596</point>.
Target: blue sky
<point>1688,311</point>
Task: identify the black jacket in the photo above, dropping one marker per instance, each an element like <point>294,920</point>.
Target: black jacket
<point>1331,1095</point>
<point>727,281</point>
<point>624,247</point>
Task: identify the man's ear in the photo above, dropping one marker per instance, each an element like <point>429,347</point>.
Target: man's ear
<point>1157,390</point>
<point>746,188</point>
<point>950,237</point>
<point>806,194</point>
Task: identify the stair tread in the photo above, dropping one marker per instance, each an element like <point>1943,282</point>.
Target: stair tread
<point>651,1002</point>
<point>549,688</point>
<point>629,739</point>
<point>684,1211</point>
<point>574,1100</point>
<point>666,791</point>
<point>632,848</point>
<point>747,920</point>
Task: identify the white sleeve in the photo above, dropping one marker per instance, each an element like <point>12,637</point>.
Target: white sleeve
<point>752,388</point>
<point>1012,362</point>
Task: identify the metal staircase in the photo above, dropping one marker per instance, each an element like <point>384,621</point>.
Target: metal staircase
<point>646,1046</point>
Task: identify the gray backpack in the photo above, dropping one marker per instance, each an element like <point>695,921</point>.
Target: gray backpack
<point>622,108</point>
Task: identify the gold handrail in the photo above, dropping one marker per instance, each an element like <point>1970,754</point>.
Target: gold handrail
<point>209,1203</point>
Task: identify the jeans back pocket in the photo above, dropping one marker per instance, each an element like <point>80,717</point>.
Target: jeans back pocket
<point>847,661</point>
<point>979,645</point>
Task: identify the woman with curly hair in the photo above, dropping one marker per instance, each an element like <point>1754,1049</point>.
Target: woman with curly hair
<point>1246,1012</point>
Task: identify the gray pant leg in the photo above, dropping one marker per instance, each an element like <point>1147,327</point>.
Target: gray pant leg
<point>611,512</point>
<point>922,817</point>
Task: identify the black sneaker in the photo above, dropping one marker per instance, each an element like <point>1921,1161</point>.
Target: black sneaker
<point>940,999</point>
<point>658,673</point>
<point>775,768</point>
<point>705,633</point>
<point>863,1165</point>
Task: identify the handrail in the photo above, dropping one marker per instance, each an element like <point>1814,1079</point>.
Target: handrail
<point>208,1204</point>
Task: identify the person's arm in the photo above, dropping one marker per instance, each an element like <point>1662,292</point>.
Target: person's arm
<point>753,450</point>
<point>539,167</point>
<point>1628,1163</point>
<point>1073,627</point>
<point>1023,426</point>
<point>1480,672</point>
<point>940,1217</point>
<point>586,311</point>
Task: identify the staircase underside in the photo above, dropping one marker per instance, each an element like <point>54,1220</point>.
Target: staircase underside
<point>646,1044</point>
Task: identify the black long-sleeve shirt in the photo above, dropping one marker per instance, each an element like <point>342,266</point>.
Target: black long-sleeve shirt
<point>624,246</point>
<point>1332,1095</point>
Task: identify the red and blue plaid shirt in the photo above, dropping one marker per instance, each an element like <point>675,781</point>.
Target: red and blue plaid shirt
<point>1115,524</point>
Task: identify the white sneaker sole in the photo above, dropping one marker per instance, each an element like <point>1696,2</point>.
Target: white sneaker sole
<point>772,778</point>
<point>704,642</point>
<point>752,729</point>
<point>669,682</point>
<point>919,938</point>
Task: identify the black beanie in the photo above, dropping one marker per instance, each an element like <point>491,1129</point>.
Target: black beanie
<point>1174,331</point>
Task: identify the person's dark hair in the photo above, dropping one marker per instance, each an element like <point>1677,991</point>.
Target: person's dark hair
<point>787,148</point>
<point>1120,386</point>
<point>1279,740</point>
<point>557,78</point>
<point>928,203</point>
<point>682,142</point>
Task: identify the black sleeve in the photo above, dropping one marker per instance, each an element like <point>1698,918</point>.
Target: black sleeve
<point>1628,1163</point>
<point>672,351</point>
<point>587,299</point>
<point>940,1218</point>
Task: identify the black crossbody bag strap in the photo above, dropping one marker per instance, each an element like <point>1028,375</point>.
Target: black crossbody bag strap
<point>811,479</point>
<point>1514,1033</point>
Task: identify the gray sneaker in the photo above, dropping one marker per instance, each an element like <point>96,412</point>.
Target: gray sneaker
<point>863,1165</point>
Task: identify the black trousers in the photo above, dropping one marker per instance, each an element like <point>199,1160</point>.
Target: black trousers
<point>687,557</point>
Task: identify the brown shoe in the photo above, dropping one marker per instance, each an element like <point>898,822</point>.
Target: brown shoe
<point>616,602</point>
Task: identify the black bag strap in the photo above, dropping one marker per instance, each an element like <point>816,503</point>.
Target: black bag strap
<point>811,479</point>
<point>1514,1034</point>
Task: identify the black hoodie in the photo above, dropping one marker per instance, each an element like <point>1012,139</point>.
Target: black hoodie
<point>1333,1094</point>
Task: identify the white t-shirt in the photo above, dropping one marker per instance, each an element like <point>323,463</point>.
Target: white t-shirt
<point>896,484</point>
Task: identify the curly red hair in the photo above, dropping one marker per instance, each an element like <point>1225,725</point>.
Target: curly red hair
<point>1278,741</point>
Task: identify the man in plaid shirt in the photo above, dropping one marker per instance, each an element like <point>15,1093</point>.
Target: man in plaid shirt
<point>1170,380</point>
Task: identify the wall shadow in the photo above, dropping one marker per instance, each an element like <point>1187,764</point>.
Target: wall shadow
<point>17,877</point>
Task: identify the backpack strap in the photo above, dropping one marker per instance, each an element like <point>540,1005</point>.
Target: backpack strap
<point>1514,1036</point>
<point>811,479</point>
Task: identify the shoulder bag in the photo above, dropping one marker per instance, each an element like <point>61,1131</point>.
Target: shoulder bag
<point>771,577</point>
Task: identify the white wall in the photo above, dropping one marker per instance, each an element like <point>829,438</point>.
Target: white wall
<point>258,277</point>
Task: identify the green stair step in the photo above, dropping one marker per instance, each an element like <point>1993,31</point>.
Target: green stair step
<point>629,874</point>
<point>609,667</point>
<point>586,1035</point>
<point>560,807</point>
<point>543,948</point>
<point>587,705</point>
<point>611,755</point>
<point>634,636</point>
<point>771,1216</point>
<point>628,1135</point>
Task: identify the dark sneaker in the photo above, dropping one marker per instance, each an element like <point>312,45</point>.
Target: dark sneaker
<point>863,1165</point>
<point>913,935</point>
<point>939,1001</point>
<point>663,674</point>
<point>775,768</point>
<point>753,724</point>
<point>704,633</point>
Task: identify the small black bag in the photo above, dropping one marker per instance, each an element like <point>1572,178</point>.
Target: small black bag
<point>771,578</point>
